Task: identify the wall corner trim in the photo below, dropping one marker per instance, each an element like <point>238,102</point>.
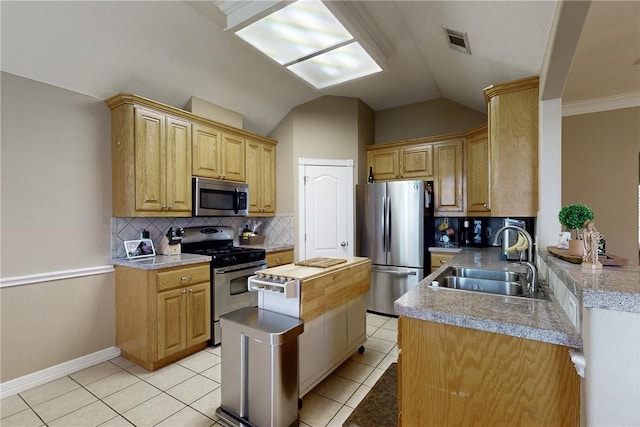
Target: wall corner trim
<point>616,102</point>
<point>54,275</point>
<point>29,381</point>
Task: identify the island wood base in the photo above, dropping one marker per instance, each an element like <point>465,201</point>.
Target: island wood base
<point>458,376</point>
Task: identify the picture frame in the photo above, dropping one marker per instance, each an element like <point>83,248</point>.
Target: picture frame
<point>136,249</point>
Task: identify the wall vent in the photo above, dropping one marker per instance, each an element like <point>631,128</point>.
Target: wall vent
<point>457,41</point>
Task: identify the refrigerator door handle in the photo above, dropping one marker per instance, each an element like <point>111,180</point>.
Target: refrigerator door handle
<point>384,224</point>
<point>388,224</point>
<point>394,273</point>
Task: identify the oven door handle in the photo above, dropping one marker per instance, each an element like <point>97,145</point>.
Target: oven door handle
<point>250,269</point>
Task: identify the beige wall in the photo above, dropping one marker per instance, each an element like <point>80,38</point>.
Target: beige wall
<point>600,168</point>
<point>428,118</point>
<point>329,127</point>
<point>55,215</point>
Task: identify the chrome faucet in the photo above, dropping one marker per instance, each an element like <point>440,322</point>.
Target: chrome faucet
<point>533,283</point>
<point>524,232</point>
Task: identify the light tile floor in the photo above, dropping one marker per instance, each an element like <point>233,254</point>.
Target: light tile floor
<point>187,393</point>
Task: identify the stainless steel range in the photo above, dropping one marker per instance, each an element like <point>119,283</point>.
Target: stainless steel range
<point>231,267</point>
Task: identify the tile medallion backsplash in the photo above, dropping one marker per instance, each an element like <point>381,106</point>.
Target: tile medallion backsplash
<point>278,229</point>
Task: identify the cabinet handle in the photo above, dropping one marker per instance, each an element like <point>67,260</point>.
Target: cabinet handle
<point>278,259</point>
<point>170,206</point>
<point>183,278</point>
<point>184,291</point>
<point>486,206</point>
<point>190,290</point>
<point>442,262</point>
<point>219,175</point>
<point>164,207</point>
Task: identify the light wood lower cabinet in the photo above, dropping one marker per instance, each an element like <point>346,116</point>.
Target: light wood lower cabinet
<point>448,375</point>
<point>162,315</point>
<point>438,259</point>
<point>277,258</point>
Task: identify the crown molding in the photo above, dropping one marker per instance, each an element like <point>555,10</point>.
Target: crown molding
<point>595,105</point>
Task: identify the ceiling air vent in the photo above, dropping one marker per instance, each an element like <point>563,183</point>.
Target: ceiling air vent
<point>458,41</point>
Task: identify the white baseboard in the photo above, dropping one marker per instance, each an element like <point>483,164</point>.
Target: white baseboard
<point>29,381</point>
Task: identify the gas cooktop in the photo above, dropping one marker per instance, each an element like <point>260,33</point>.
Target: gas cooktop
<point>217,242</point>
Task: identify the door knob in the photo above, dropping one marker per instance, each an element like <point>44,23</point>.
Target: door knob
<point>343,244</point>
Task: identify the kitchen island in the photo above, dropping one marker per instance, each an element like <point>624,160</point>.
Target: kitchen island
<point>470,358</point>
<point>331,301</point>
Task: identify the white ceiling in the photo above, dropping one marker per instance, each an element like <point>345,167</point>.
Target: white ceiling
<point>171,50</point>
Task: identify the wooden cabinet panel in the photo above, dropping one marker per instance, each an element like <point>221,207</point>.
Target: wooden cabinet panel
<point>448,184</point>
<point>233,157</point>
<point>385,163</point>
<point>198,326</point>
<point>178,165</point>
<point>150,158</point>
<point>513,145</point>
<point>277,258</point>
<point>438,259</point>
<point>171,322</point>
<point>417,162</point>
<point>452,375</point>
<point>206,152</point>
<point>478,170</point>
<point>261,177</point>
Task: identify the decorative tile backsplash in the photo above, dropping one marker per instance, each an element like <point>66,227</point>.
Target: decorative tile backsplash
<point>278,229</point>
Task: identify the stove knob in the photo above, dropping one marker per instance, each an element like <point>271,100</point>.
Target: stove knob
<point>252,256</point>
<point>233,258</point>
<point>226,260</point>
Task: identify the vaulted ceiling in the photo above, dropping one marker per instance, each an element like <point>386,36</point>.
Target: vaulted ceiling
<point>172,50</point>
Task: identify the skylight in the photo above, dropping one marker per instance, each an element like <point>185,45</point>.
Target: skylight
<point>308,40</point>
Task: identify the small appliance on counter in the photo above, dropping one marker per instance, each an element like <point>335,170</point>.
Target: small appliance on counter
<point>171,242</point>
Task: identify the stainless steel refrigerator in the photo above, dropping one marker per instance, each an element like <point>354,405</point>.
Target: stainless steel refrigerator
<point>390,231</point>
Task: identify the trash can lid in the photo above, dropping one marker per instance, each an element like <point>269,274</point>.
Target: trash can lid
<point>263,325</point>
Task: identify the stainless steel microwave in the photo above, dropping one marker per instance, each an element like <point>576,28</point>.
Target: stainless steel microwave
<point>219,198</point>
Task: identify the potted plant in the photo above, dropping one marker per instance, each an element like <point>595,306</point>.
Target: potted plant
<point>573,217</point>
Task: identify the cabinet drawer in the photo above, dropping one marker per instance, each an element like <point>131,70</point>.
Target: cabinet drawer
<point>438,259</point>
<point>182,276</point>
<point>275,259</point>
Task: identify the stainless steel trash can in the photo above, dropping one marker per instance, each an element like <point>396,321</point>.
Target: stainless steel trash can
<point>259,368</point>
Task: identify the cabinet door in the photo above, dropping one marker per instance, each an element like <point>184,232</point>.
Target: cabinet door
<point>438,259</point>
<point>417,162</point>
<point>198,314</point>
<point>336,334</point>
<point>253,152</point>
<point>448,178</point>
<point>150,160</point>
<point>206,152</point>
<point>178,165</point>
<point>171,322</point>
<point>268,179</point>
<point>357,322</point>
<point>478,191</point>
<point>233,157</point>
<point>385,163</point>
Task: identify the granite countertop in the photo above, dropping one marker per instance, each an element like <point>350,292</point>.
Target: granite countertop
<point>452,249</point>
<point>537,320</point>
<point>612,288</point>
<point>162,261</point>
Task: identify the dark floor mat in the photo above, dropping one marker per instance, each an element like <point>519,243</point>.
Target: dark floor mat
<point>379,408</point>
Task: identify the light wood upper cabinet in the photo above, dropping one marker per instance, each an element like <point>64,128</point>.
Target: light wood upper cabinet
<point>261,177</point>
<point>385,163</point>
<point>233,157</point>
<point>156,149</point>
<point>206,152</point>
<point>217,154</point>
<point>151,158</point>
<point>162,315</point>
<point>416,161</point>
<point>513,147</point>
<point>448,181</point>
<point>478,173</point>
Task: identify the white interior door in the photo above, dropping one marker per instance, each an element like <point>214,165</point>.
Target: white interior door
<point>326,208</point>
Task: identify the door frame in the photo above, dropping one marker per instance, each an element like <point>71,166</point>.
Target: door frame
<point>302,163</point>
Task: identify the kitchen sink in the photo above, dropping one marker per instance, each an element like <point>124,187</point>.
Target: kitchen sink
<point>476,273</point>
<point>497,282</point>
